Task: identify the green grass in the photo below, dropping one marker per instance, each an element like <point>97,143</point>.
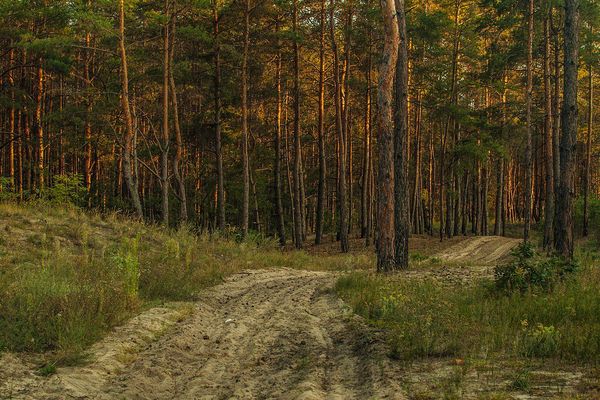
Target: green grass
<point>425,319</point>
<point>67,277</point>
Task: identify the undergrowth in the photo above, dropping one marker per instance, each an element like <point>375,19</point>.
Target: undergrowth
<point>427,319</point>
<point>67,277</point>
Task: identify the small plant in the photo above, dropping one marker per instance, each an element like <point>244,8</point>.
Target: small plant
<point>47,369</point>
<point>521,380</point>
<point>539,341</point>
<point>417,257</point>
<point>530,271</point>
<point>67,189</point>
<point>126,261</point>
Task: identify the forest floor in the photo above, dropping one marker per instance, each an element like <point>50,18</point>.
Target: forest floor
<point>283,333</point>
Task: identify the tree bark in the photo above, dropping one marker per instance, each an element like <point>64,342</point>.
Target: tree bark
<point>298,219</point>
<point>278,155</point>
<point>130,181</point>
<point>165,145</point>
<point>385,175</point>
<point>549,197</point>
<point>588,152</point>
<point>322,159</point>
<point>177,171</point>
<point>563,237</point>
<point>401,207</point>
<point>245,160</point>
<point>366,173</point>
<point>529,147</point>
<point>342,154</point>
<point>218,140</point>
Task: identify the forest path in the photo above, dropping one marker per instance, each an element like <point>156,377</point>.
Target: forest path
<point>464,262</point>
<point>262,334</point>
<point>480,250</point>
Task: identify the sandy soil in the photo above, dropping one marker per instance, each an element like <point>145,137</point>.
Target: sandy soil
<point>481,250</point>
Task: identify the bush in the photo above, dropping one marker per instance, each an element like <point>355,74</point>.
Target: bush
<point>67,189</point>
<point>531,271</point>
<point>539,341</point>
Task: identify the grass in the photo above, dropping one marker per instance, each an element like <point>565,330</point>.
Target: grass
<point>67,276</point>
<point>426,319</point>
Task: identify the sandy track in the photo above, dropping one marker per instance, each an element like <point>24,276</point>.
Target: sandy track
<point>261,335</point>
<point>480,250</point>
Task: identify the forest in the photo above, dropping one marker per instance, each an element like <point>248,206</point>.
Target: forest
<point>153,152</point>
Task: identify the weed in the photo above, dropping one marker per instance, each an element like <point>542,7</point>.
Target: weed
<point>521,380</point>
<point>47,369</point>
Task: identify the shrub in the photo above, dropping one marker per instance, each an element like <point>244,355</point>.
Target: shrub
<point>67,189</point>
<point>531,271</point>
<point>539,341</point>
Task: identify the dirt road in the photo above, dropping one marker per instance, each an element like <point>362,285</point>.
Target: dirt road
<point>262,334</point>
<point>481,250</point>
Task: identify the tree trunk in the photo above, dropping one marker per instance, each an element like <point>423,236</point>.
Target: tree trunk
<point>298,219</point>
<point>245,160</point>
<point>588,153</point>
<point>88,104</point>
<point>164,159</point>
<point>549,197</point>
<point>529,147</point>
<point>322,159</point>
<point>366,172</point>
<point>342,154</point>
<point>401,207</point>
<point>179,141</point>
<point>11,124</point>
<point>385,176</point>
<point>218,141</point>
<point>278,155</point>
<point>39,126</point>
<point>563,236</point>
<point>129,130</point>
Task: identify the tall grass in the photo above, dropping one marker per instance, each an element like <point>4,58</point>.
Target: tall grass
<point>425,319</point>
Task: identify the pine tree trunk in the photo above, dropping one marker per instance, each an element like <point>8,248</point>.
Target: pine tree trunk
<point>11,123</point>
<point>177,170</point>
<point>278,152</point>
<point>88,104</point>
<point>298,219</point>
<point>129,130</point>
<point>218,141</point>
<point>385,175</point>
<point>245,159</point>
<point>164,159</point>
<point>366,170</point>
<point>588,153</point>
<point>39,128</point>
<point>339,125</point>
<point>563,233</point>
<point>549,197</point>
<point>529,146</point>
<point>401,206</point>
<point>322,159</point>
